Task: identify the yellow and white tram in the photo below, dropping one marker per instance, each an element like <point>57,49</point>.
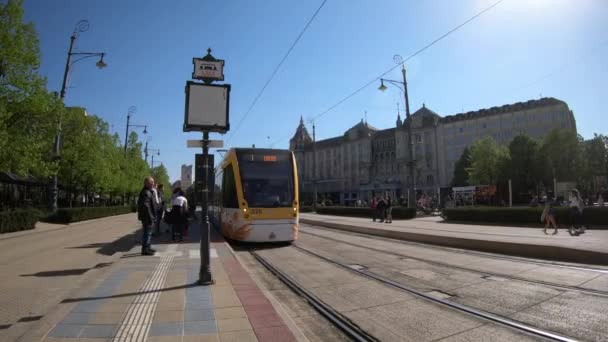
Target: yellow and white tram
<point>256,196</point>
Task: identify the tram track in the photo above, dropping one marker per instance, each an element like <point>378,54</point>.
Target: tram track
<point>484,315</point>
<point>467,269</point>
<point>538,262</point>
<point>338,320</point>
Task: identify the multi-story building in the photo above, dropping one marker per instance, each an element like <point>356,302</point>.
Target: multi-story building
<point>186,179</point>
<point>366,161</point>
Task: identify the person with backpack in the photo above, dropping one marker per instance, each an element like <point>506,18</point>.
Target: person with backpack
<point>179,215</point>
<point>146,212</point>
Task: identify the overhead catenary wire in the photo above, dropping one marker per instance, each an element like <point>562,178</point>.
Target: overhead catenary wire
<point>276,69</point>
<point>435,41</point>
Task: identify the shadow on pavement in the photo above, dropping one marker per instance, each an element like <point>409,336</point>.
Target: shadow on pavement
<point>122,244</point>
<point>63,273</point>
<point>120,295</point>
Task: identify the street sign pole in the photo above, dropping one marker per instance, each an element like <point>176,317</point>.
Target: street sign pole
<point>204,275</point>
<point>207,110</point>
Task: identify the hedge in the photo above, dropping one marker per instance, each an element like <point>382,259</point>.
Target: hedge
<point>70,215</point>
<point>398,212</point>
<point>13,221</point>
<point>523,215</point>
<point>306,209</point>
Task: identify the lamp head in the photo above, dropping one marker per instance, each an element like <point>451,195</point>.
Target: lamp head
<point>382,87</point>
<point>101,64</point>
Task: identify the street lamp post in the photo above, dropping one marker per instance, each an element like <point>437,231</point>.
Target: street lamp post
<point>314,169</point>
<point>410,163</point>
<point>152,150</point>
<point>81,26</point>
<point>130,112</point>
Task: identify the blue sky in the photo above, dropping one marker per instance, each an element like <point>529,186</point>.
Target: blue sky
<point>519,50</point>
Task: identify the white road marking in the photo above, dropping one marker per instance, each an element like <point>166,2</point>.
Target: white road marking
<point>196,254</point>
<point>136,324</point>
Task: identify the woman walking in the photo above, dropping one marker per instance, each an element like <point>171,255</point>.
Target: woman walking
<point>549,216</point>
<point>179,213</point>
<point>576,212</point>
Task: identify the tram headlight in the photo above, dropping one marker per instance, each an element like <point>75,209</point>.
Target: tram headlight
<point>244,210</point>
<point>295,209</point>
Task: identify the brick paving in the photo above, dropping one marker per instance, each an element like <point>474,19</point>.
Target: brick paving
<point>157,299</point>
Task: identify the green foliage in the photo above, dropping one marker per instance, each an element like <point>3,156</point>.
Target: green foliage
<point>70,215</point>
<point>461,174</point>
<point>13,221</point>
<point>28,112</point>
<point>525,167</point>
<point>161,176</point>
<point>522,215</point>
<point>398,212</point>
<point>488,162</point>
<point>562,155</point>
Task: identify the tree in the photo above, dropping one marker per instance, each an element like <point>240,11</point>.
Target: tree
<point>28,112</point>
<point>561,155</point>
<point>461,174</point>
<point>161,176</point>
<point>525,168</point>
<point>488,162</point>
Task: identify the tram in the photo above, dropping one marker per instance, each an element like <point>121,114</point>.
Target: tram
<point>256,196</point>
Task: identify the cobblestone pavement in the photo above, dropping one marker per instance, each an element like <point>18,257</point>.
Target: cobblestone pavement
<point>40,268</point>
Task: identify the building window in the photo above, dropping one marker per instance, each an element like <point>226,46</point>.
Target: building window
<point>460,129</point>
<point>429,180</point>
<point>484,125</point>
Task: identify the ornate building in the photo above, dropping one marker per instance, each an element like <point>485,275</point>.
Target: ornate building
<point>367,161</point>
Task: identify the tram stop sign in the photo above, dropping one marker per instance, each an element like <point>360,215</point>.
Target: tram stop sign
<point>207,107</point>
<point>199,176</point>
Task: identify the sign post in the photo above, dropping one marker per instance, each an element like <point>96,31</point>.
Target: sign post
<point>206,111</point>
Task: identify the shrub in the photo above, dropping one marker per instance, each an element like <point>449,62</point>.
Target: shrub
<point>523,215</point>
<point>13,221</point>
<point>70,215</point>
<point>398,212</point>
<point>306,209</point>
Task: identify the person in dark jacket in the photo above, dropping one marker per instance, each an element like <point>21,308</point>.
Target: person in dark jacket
<point>380,207</point>
<point>147,215</point>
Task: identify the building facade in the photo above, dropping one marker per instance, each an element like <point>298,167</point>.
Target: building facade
<point>366,161</point>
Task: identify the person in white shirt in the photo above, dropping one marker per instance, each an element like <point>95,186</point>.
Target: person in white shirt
<point>576,205</point>
<point>179,215</point>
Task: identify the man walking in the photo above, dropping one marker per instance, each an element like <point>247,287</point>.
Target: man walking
<point>147,215</point>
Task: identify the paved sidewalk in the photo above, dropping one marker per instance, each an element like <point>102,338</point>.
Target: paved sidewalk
<point>156,298</point>
<point>592,247</point>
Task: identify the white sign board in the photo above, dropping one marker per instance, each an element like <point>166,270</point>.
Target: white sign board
<point>208,69</point>
<point>207,107</point>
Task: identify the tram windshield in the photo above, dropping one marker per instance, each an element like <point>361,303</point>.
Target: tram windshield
<point>267,178</point>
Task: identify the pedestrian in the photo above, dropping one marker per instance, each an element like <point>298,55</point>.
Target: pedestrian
<point>549,215</point>
<point>380,206</point>
<point>147,215</point>
<point>179,215</point>
<point>373,205</point>
<point>576,207</point>
<point>161,206</point>
<point>600,200</point>
<point>389,210</point>
<point>156,202</point>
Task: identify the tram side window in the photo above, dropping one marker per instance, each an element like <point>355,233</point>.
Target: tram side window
<point>229,198</point>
